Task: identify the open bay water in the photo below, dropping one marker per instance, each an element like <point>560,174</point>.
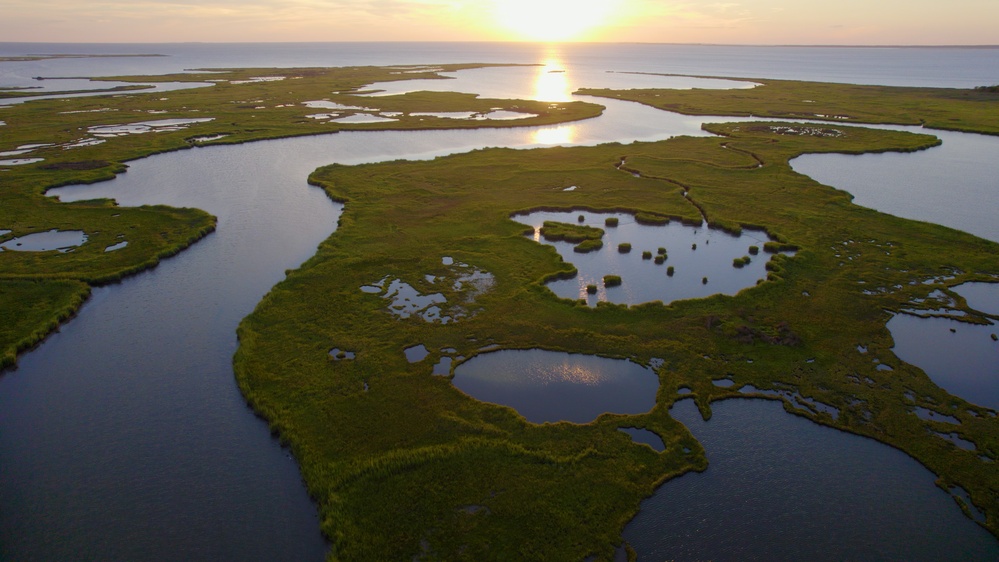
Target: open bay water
<point>124,435</point>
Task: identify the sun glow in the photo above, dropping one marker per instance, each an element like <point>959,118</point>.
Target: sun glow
<point>554,20</point>
<point>552,82</point>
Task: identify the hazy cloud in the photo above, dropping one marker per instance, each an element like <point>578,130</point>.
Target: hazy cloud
<point>736,21</point>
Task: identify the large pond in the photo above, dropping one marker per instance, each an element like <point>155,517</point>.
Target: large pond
<point>550,386</point>
<point>960,357</point>
<point>131,438</point>
<point>779,487</point>
<point>662,262</point>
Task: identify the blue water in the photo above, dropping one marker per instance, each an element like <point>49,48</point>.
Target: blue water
<point>779,487</point>
<point>913,66</point>
<point>130,437</point>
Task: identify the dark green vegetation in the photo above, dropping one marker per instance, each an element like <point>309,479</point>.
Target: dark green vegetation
<point>972,110</point>
<point>411,466</point>
<point>240,112</point>
<point>556,231</point>
<point>612,280</point>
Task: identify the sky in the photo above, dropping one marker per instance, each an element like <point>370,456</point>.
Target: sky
<point>759,22</point>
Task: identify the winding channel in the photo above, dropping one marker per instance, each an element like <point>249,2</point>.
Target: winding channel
<point>131,438</point>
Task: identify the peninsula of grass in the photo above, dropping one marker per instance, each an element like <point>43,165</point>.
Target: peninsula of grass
<point>969,110</point>
<point>239,109</point>
<point>394,466</point>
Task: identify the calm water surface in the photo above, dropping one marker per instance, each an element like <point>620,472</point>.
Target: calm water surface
<point>780,487</point>
<point>695,253</point>
<point>131,439</point>
<point>551,386</point>
<point>961,358</point>
<point>953,184</point>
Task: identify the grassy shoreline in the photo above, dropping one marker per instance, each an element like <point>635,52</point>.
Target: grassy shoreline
<point>949,109</point>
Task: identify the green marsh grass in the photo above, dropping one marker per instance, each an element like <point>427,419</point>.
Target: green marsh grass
<point>450,439</point>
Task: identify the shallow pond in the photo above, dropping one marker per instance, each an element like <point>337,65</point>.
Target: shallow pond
<point>61,240</point>
<point>779,487</point>
<point>551,386</point>
<point>693,253</point>
<point>646,437</point>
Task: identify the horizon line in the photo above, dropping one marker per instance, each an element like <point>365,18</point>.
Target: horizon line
<point>694,44</point>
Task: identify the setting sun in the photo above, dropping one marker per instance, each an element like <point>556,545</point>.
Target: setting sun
<point>554,20</point>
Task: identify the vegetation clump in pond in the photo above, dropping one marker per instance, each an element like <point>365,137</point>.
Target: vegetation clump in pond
<point>741,262</point>
<point>624,247</point>
<point>611,222</point>
<point>560,231</point>
<point>588,246</point>
<point>612,280</point>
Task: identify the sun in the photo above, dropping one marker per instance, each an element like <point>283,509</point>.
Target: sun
<point>554,20</point>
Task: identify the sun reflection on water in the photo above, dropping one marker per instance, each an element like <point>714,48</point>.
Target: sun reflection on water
<point>567,371</point>
<point>563,134</point>
<point>552,81</point>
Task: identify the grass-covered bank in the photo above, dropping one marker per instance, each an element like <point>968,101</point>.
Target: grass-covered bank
<point>89,139</point>
<point>967,110</point>
<point>403,465</point>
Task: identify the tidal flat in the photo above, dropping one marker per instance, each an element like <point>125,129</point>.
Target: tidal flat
<point>798,330</point>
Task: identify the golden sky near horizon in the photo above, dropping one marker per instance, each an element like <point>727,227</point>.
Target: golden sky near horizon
<point>856,22</point>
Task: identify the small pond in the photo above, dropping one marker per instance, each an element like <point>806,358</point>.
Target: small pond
<point>549,386</point>
<point>779,487</point>
<point>416,353</point>
<point>61,240</point>
<point>639,435</point>
<point>693,253</point>
<point>961,358</point>
<point>19,161</point>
